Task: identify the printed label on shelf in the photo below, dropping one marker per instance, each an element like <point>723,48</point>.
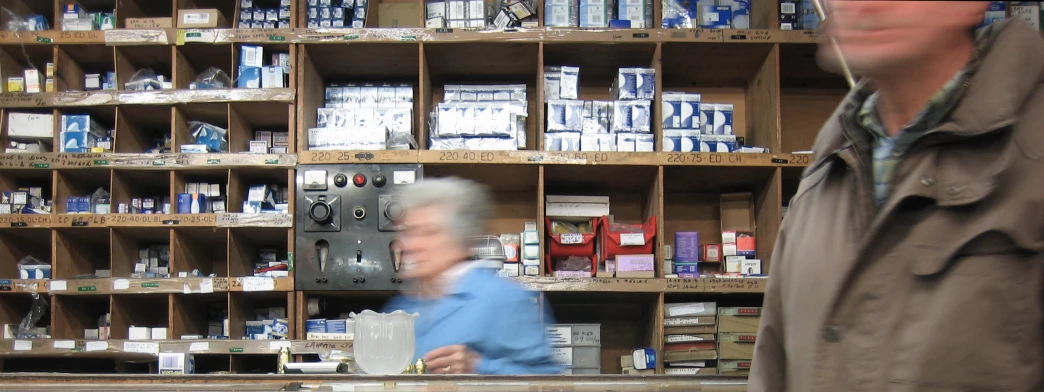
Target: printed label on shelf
<point>632,239</point>
<point>559,335</point>
<point>141,347</point>
<point>23,345</point>
<point>562,356</point>
<point>185,289</point>
<point>683,338</point>
<point>120,284</point>
<point>66,344</point>
<point>277,345</point>
<point>57,285</point>
<point>687,310</point>
<point>572,238</point>
<point>96,346</point>
<point>206,286</point>
<point>253,283</point>
<point>199,346</point>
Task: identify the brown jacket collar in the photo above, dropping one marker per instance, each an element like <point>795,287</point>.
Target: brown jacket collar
<point>1010,72</point>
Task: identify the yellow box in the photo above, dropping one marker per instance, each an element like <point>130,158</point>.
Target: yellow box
<point>15,85</point>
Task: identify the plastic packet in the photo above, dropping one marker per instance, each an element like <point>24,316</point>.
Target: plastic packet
<point>212,136</point>
<point>625,228</point>
<point>100,201</point>
<point>211,78</point>
<point>30,260</point>
<point>558,227</point>
<point>676,15</point>
<point>27,328</point>
<point>573,263</point>
<point>144,79</point>
<point>16,22</point>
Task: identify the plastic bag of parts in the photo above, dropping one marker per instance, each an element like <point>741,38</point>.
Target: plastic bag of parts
<point>560,227</point>
<point>573,263</point>
<point>211,78</point>
<point>17,22</point>
<point>676,15</point>
<point>211,136</point>
<point>27,328</point>
<point>144,79</point>
<point>29,261</point>
<point>625,228</point>
<point>100,201</point>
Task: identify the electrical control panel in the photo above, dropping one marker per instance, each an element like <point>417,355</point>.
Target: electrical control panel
<point>345,225</point>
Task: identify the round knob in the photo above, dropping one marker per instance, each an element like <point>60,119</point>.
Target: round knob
<point>393,280</point>
<point>359,180</point>
<point>359,213</point>
<point>362,280</point>
<point>355,280</point>
<point>379,180</point>
<point>394,210</point>
<point>324,280</point>
<point>340,180</point>
<point>320,212</point>
<point>317,280</point>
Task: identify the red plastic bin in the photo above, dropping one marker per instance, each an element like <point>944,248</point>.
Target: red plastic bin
<point>584,246</point>
<point>611,242</point>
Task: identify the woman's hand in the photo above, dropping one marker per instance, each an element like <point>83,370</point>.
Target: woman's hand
<point>456,359</point>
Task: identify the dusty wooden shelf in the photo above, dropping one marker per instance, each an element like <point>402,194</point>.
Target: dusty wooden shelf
<point>219,220</point>
<point>702,285</point>
<point>557,158</point>
<point>152,97</point>
<point>57,160</point>
<point>146,348</point>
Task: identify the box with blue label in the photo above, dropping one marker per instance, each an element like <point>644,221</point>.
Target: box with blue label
<point>632,116</point>
<point>594,13</point>
<point>564,115</point>
<point>634,13</point>
<point>562,141</point>
<point>715,16</point>
<point>717,143</point>
<point>723,119</point>
<point>681,111</point>
<point>561,13</point>
<point>741,12</point>
<point>686,268</point>
<point>249,77</point>
<point>675,140</point>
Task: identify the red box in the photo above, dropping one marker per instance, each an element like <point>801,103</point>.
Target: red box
<point>612,244</point>
<point>710,253</point>
<point>582,245</point>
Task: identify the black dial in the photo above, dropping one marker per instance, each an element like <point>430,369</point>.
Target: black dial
<point>359,213</point>
<point>320,212</point>
<point>340,180</point>
<point>379,180</point>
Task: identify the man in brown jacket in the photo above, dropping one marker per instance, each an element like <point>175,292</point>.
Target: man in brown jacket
<point>910,259</point>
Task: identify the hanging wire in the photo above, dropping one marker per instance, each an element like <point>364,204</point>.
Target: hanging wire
<point>833,43</point>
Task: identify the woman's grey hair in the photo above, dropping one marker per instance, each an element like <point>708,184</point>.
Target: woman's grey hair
<point>468,204</point>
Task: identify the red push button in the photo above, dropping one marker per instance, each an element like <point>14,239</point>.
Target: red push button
<point>359,180</point>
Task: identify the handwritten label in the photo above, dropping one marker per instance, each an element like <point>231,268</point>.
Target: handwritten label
<point>57,285</point>
<point>683,284</point>
<point>572,238</point>
<point>25,220</point>
<point>466,156</point>
<point>23,345</point>
<point>199,346</point>
<point>562,356</point>
<point>120,284</point>
<point>80,220</point>
<point>279,344</point>
<point>96,346</point>
<point>632,239</point>
<point>586,336</point>
<point>206,286</point>
<point>141,347</point>
<point>65,344</point>
<point>254,283</point>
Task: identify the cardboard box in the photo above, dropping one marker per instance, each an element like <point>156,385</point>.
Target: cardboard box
<point>201,18</point>
<point>150,23</point>
<point>736,345</point>
<point>176,363</point>
<point>739,320</point>
<point>729,367</point>
<point>398,15</point>
<point>690,309</point>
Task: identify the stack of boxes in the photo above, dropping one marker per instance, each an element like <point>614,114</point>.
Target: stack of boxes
<point>146,333</point>
<point>576,347</point>
<point>81,133</point>
<point>270,142</point>
<point>735,256</point>
<point>708,14</point>
<point>620,125</point>
<point>103,332</point>
<point>253,73</point>
<point>737,333</point>
<point>798,15</point>
<point>270,265</point>
<point>690,125</point>
<point>455,14</point>
<point>489,117</point>
<point>28,200</point>
<point>330,329</point>
<point>96,203</point>
<point>269,324</point>
<point>522,251</point>
<point>36,82</point>
<point>335,14</point>
<point>153,262</point>
<point>29,132</point>
<point>615,14</point>
<point>33,22</point>
<point>267,199</point>
<point>689,337</point>
<point>217,326</point>
<point>145,205</point>
<point>201,198</point>
<point>76,18</point>
<point>364,116</point>
<point>252,16</point>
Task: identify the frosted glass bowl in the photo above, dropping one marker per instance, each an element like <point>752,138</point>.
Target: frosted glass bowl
<point>384,342</point>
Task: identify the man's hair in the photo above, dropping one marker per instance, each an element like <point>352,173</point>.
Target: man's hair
<point>468,204</point>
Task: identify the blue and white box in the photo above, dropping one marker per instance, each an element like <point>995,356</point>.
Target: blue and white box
<point>598,142</point>
<point>723,119</point>
<point>707,118</point>
<point>675,140</point>
<point>741,12</point>
<point>717,143</point>
<point>336,326</point>
<point>633,11</point>
<point>644,142</point>
<point>808,19</point>
<point>565,115</point>
<point>686,268</point>
<point>997,10</point>
<point>249,77</point>
<point>632,116</point>
<point>315,325</point>
<point>681,111</point>
<point>561,13</point>
<point>562,141</point>
<point>184,203</point>
<point>627,83</point>
<point>715,16</point>
<point>594,13</point>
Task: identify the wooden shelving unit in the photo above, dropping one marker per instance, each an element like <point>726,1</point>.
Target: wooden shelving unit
<point>770,76</point>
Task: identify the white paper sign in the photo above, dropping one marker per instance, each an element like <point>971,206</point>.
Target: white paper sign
<point>96,346</point>
<point>683,338</point>
<point>57,285</point>
<point>687,310</point>
<point>199,346</point>
<point>572,238</point>
<point>559,335</point>
<point>23,345</point>
<point>141,347</point>
<point>254,283</point>
<point>632,239</point>
<point>67,344</point>
<point>279,344</point>
<point>206,286</point>
<point>120,284</point>
<point>562,356</point>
